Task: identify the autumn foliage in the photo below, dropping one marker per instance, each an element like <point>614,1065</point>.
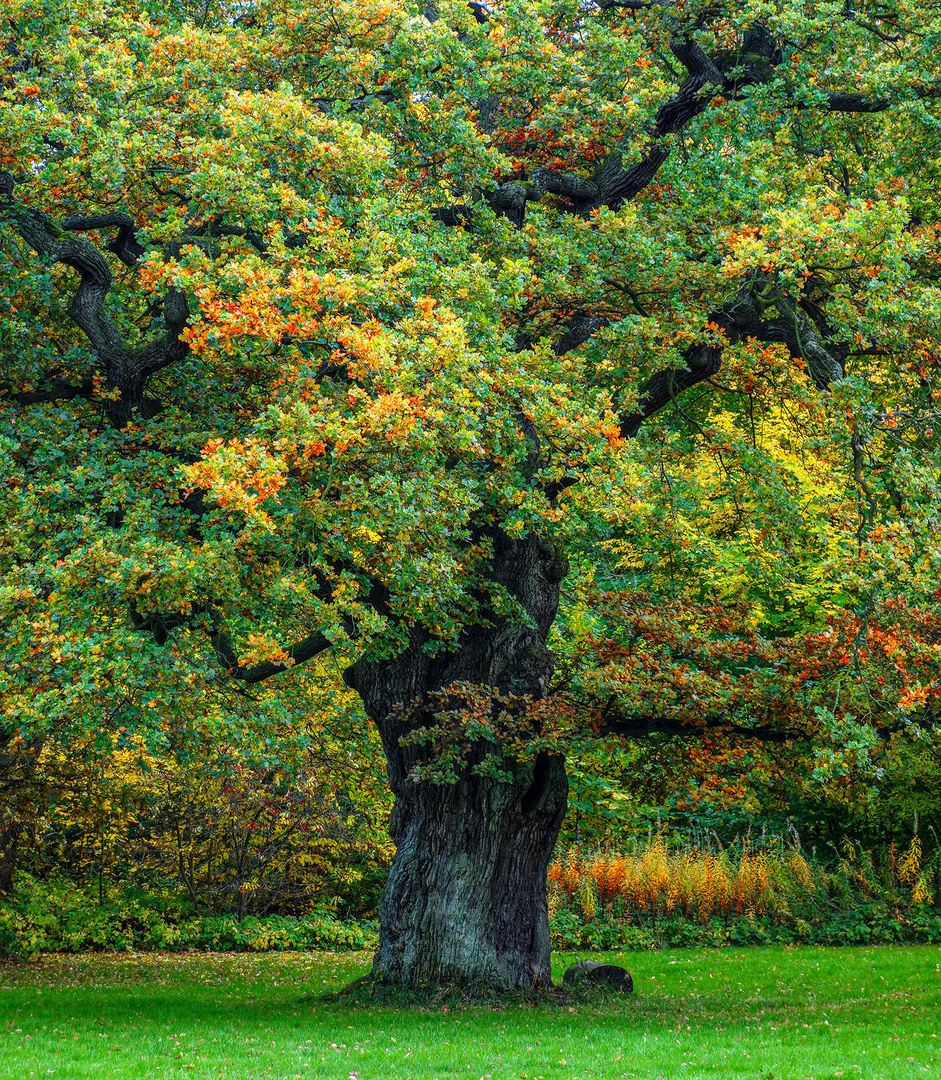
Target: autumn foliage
<point>539,371</point>
<point>768,882</point>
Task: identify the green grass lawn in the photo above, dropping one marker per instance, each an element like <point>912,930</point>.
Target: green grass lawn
<point>753,1013</point>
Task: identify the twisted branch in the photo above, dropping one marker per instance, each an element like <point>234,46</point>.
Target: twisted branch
<point>126,371</point>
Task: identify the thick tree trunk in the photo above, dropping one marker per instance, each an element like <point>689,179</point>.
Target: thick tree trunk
<point>465,903</point>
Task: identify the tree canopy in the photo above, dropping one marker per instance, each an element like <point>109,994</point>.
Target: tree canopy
<point>363,329</point>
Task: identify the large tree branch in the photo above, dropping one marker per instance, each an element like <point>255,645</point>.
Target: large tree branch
<point>854,103</point>
<point>641,727</point>
<point>629,5</point>
<point>613,182</point>
<point>744,317</point>
<point>753,65</point>
<point>632,726</point>
<point>580,330</point>
<point>800,326</point>
<point>168,348</point>
<point>305,649</point>
<point>52,242</point>
<point>124,245</point>
<point>53,388</point>
<point>161,625</point>
<point>664,387</point>
<point>126,371</point>
<point>210,617</point>
<point>704,80</point>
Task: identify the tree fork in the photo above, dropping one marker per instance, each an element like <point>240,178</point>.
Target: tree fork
<point>126,372</point>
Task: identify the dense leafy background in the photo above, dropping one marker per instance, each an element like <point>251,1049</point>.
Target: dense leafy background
<point>357,388</point>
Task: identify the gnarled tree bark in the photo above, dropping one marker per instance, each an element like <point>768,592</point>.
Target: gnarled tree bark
<point>465,901</point>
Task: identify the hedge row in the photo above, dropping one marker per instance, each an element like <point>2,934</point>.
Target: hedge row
<point>66,920</point>
<point>867,924</point>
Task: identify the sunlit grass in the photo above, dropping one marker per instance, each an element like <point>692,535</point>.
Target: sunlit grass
<point>755,1013</point>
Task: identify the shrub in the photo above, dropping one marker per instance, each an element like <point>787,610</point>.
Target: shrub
<point>58,917</point>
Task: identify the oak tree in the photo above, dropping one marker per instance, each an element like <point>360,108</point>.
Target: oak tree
<point>378,330</point>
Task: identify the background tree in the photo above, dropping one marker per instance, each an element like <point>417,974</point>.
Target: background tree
<point>363,327</point>
<point>251,826</point>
